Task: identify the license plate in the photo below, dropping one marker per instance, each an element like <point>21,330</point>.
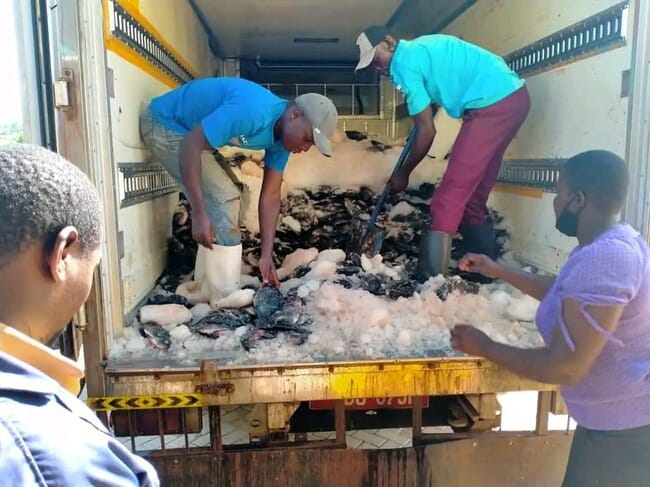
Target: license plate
<point>404,402</point>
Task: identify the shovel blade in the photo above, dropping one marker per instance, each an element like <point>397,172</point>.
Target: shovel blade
<point>368,239</point>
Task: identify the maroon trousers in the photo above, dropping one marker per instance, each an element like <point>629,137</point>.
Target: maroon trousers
<point>475,161</point>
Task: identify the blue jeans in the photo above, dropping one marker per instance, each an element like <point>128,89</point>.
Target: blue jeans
<point>221,195</point>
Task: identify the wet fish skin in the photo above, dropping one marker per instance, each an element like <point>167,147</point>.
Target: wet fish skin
<point>169,298</point>
<point>212,330</point>
<point>254,335</point>
<point>267,301</point>
<point>373,284</point>
<point>460,285</point>
<point>226,318</point>
<point>156,335</point>
<point>291,317</point>
<point>401,289</point>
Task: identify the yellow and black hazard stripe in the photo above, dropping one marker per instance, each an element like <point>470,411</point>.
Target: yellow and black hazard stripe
<point>161,401</point>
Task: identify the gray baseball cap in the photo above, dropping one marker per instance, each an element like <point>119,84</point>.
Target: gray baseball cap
<point>321,113</point>
<point>367,42</point>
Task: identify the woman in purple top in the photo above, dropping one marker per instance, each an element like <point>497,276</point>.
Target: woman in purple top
<point>594,318</point>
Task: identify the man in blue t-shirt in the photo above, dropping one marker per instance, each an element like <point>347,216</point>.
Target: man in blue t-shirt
<point>208,113</point>
<point>469,83</point>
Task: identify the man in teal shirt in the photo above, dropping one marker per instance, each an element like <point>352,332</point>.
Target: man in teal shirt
<point>469,83</point>
<point>208,113</point>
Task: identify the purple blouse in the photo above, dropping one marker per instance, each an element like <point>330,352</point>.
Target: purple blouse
<point>612,270</point>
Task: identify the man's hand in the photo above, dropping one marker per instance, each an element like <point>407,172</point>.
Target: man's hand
<point>470,340</point>
<point>480,264</point>
<point>398,183</point>
<point>203,229</point>
<point>267,269</point>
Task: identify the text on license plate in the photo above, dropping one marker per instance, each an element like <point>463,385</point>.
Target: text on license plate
<point>371,403</point>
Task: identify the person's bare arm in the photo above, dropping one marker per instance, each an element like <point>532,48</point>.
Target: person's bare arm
<point>269,211</point>
<point>191,147</point>
<point>425,133</point>
<point>531,284</point>
<point>557,363</point>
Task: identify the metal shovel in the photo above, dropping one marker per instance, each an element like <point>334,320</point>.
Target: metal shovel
<point>372,236</point>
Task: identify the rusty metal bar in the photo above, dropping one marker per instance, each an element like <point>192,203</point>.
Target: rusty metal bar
<point>417,419</point>
<point>307,382</point>
<point>543,409</point>
<point>214,414</point>
<point>161,429</point>
<point>184,429</point>
<point>339,422</point>
<point>129,416</point>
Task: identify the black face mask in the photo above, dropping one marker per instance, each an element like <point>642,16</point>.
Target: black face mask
<point>567,222</point>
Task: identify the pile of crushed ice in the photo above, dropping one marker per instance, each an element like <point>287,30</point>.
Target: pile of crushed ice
<point>349,324</point>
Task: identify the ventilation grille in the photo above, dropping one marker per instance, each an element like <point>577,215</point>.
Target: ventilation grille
<point>143,182</point>
<point>533,173</point>
<point>599,33</point>
<point>137,37</point>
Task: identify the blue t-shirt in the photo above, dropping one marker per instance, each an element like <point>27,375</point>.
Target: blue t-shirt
<point>49,437</point>
<point>231,111</point>
<point>450,72</point>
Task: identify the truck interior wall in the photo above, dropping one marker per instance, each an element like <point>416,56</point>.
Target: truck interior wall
<point>146,226</point>
<point>574,107</point>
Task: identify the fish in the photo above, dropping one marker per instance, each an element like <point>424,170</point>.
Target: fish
<point>401,289</point>
<point>211,330</point>
<point>156,335</point>
<point>165,297</point>
<point>254,335</point>
<point>374,284</point>
<point>455,284</point>
<point>291,317</point>
<point>225,318</point>
<point>377,146</point>
<point>356,135</point>
<point>267,301</point>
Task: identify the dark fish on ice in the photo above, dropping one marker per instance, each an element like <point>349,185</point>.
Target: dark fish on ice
<point>401,289</point>
<point>225,318</point>
<point>166,297</point>
<point>356,135</point>
<point>156,335</point>
<point>211,330</point>
<point>291,317</point>
<point>254,335</point>
<point>454,284</point>
<point>266,302</point>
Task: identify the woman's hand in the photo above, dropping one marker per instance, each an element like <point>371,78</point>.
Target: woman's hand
<point>470,340</point>
<point>480,264</point>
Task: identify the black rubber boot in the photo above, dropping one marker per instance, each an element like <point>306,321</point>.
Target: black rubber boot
<point>435,251</point>
<point>478,239</point>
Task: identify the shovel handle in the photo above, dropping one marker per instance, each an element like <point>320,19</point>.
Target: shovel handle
<point>398,166</point>
<point>405,151</point>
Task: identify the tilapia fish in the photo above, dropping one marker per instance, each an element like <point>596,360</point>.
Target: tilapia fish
<point>165,297</point>
<point>291,317</point>
<point>211,330</point>
<point>450,285</point>
<point>254,335</point>
<point>267,301</point>
<point>156,335</point>
<point>217,323</point>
